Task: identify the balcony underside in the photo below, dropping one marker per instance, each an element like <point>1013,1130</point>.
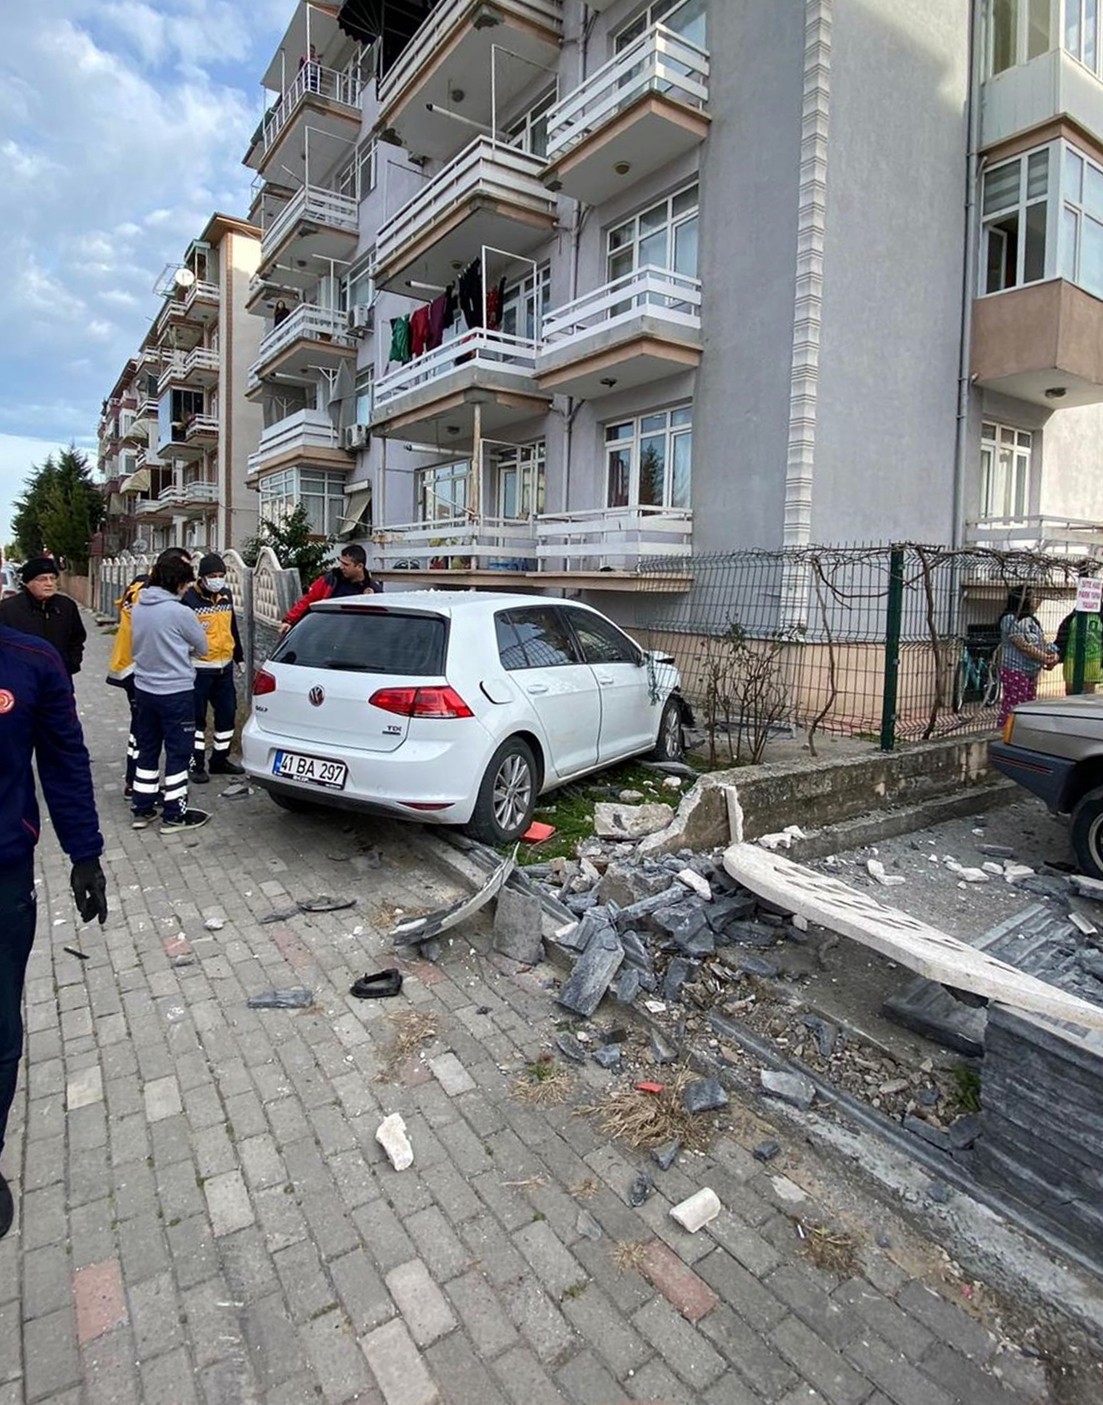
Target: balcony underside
<point>662,583</point>
<point>297,456</point>
<point>299,362</point>
<point>451,70</point>
<point>641,140</point>
<point>1034,341</point>
<point>311,240</point>
<point>437,253</point>
<point>327,118</point>
<point>627,356</point>
<point>443,413</point>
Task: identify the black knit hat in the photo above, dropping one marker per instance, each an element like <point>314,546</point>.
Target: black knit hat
<point>212,565</point>
<point>39,566</point>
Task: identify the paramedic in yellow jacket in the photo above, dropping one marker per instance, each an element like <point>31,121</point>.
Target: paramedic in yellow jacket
<point>120,667</point>
<point>211,600</point>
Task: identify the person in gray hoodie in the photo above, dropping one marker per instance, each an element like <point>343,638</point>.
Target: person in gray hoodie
<point>166,638</point>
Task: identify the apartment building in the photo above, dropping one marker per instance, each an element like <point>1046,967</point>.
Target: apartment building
<point>571,286</point>
<point>177,429</point>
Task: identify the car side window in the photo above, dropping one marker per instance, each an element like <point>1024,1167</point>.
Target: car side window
<point>511,652</point>
<point>601,642</point>
<point>545,640</point>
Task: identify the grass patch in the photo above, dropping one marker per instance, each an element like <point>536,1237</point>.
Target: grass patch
<point>543,1083</point>
<point>411,1031</point>
<point>966,1087</point>
<point>644,1120</point>
<point>831,1250</point>
<point>629,1257</point>
<point>571,808</point>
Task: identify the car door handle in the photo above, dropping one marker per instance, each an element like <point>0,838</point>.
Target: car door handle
<point>605,680</point>
<point>537,688</point>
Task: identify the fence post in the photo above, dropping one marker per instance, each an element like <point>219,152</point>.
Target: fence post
<point>894,615</point>
<point>1079,639</point>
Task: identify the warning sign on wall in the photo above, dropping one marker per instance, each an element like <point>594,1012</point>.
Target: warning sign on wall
<point>1089,595</point>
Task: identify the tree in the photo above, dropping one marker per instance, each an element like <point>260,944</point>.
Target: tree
<point>292,541</point>
<point>60,509</point>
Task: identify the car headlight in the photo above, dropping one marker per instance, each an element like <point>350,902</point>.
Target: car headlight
<point>1008,728</point>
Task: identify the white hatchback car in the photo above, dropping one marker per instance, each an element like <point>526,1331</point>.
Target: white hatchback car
<point>454,708</point>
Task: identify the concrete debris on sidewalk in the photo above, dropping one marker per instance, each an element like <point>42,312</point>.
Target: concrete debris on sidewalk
<point>416,930</point>
<point>391,1136</point>
<point>298,998</point>
<point>698,1210</point>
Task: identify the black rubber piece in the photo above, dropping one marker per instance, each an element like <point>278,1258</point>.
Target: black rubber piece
<point>377,986</point>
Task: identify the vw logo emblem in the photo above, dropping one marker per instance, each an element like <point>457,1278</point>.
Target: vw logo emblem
<point>317,696</point>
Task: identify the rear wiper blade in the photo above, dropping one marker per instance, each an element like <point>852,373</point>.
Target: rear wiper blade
<point>348,666</point>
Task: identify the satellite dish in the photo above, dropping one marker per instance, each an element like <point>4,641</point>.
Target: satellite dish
<point>183,277</point>
<point>139,544</point>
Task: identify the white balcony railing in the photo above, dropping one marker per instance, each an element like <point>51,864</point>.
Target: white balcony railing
<point>198,425</point>
<point>659,61</point>
<point>181,364</point>
<point>616,537</point>
<point>298,433</point>
<point>200,492</point>
<point>200,291</point>
<point>326,207</point>
<point>435,31</point>
<point>486,169</point>
<point>172,496</point>
<point>656,292</point>
<point>313,81</point>
<point>1055,536</point>
<point>480,350</point>
<point>306,322</point>
<point>499,543</point>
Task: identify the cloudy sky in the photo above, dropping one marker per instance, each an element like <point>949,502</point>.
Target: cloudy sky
<point>122,128</point>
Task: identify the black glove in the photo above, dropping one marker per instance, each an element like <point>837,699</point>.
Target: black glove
<point>89,890</point>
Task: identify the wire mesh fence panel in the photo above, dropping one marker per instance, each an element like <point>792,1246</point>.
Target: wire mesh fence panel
<point>852,643</point>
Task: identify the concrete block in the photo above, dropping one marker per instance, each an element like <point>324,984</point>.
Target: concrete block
<point>517,926</point>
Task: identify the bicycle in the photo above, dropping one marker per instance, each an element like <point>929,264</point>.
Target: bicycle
<point>977,675</point>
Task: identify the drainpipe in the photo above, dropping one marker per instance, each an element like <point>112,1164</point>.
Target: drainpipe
<point>573,406</point>
<point>968,274</point>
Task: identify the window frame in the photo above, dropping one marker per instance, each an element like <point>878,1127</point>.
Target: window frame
<point>1024,202</point>
<point>671,224</point>
<point>1014,481</point>
<point>453,471</point>
<point>672,432</point>
<point>280,493</point>
<point>521,131</point>
<point>529,464</point>
<point>655,12</point>
<point>1023,32</point>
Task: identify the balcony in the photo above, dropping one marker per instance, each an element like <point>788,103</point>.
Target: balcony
<point>201,301</point>
<point>197,367</point>
<point>199,435</point>
<point>433,398</point>
<point>323,99</point>
<point>469,544</point>
<point>451,53</point>
<point>315,224</point>
<point>1049,536</point>
<point>616,539</point>
<point>307,437</point>
<point>308,339</point>
<point>489,195</point>
<point>637,113</point>
<point>1032,94</point>
<point>1042,343</point>
<point>636,329</point>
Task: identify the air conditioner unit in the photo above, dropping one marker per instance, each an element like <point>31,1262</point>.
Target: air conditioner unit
<point>361,318</point>
<point>355,436</point>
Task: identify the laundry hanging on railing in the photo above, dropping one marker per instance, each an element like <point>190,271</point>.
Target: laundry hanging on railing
<point>419,331</point>
<point>400,341</point>
<point>442,315</point>
<point>471,298</point>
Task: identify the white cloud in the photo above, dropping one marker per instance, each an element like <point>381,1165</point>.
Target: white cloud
<point>19,456</point>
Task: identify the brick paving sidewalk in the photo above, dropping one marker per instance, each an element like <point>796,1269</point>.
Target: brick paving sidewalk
<point>204,1214</point>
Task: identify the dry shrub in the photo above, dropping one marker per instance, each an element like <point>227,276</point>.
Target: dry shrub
<point>831,1250</point>
<point>643,1120</point>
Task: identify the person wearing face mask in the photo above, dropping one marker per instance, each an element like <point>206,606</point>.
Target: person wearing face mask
<point>40,609</point>
<point>212,601</point>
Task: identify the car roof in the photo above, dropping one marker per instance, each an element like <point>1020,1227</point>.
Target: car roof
<point>450,602</point>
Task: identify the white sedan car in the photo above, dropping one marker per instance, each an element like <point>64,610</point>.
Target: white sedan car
<point>454,708</point>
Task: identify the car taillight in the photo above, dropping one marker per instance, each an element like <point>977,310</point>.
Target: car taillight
<point>1008,728</point>
<point>421,702</point>
<point>263,683</point>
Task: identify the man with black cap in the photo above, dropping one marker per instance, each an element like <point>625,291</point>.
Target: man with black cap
<point>38,727</point>
<point>41,610</point>
<point>212,601</point>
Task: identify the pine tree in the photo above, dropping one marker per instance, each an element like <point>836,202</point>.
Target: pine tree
<point>60,510</point>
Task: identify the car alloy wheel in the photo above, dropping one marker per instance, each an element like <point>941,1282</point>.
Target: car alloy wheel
<point>512,792</point>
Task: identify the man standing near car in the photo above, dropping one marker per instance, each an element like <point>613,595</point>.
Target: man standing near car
<point>41,610</point>
<point>350,578</point>
<point>213,604</point>
<point>38,723</point>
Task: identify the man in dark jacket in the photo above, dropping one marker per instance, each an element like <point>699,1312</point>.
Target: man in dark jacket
<point>38,720</point>
<point>350,578</point>
<point>40,609</point>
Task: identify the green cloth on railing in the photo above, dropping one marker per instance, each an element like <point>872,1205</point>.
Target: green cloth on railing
<point>400,341</point>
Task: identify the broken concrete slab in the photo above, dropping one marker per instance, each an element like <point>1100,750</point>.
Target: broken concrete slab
<point>615,821</point>
<point>707,816</point>
<point>391,1136</point>
<point>627,986</point>
<point>1087,887</point>
<point>704,1095</point>
<point>678,972</point>
<point>694,881</point>
<point>592,975</point>
<point>517,926</point>
<point>899,936</point>
<point>626,883</point>
<point>608,1056</point>
<point>665,1156</point>
<point>699,1210</point>
<point>794,1088</point>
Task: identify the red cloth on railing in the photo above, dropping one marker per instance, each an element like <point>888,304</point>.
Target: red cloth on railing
<point>419,330</point>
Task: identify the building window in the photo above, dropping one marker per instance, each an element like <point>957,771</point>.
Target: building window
<point>648,461</point>
<point>530,133</point>
<point>442,492</point>
<point>662,236</point>
<point>1082,31</point>
<point>1082,221</point>
<point>1017,31</point>
<point>526,304</point>
<point>1015,205</point>
<point>1005,463</point>
<point>364,386</point>
<point>521,473</point>
<point>322,494</point>
<point>684,17</point>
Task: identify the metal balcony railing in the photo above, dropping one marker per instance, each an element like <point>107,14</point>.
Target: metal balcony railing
<point>326,207</point>
<point>306,322</point>
<point>659,61</point>
<point>299,433</point>
<point>499,543</point>
<point>181,364</point>
<point>313,81</point>
<point>1055,536</point>
<point>617,537</point>
<point>478,350</point>
<point>656,292</point>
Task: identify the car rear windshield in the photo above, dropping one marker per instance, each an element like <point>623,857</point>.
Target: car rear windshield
<point>359,641</point>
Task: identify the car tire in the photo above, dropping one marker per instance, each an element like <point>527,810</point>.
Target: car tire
<point>507,795</point>
<point>670,743</point>
<point>292,804</point>
<point>1087,833</point>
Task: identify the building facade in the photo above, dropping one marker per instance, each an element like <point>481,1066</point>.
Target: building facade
<point>550,289</point>
<point>177,430</point>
